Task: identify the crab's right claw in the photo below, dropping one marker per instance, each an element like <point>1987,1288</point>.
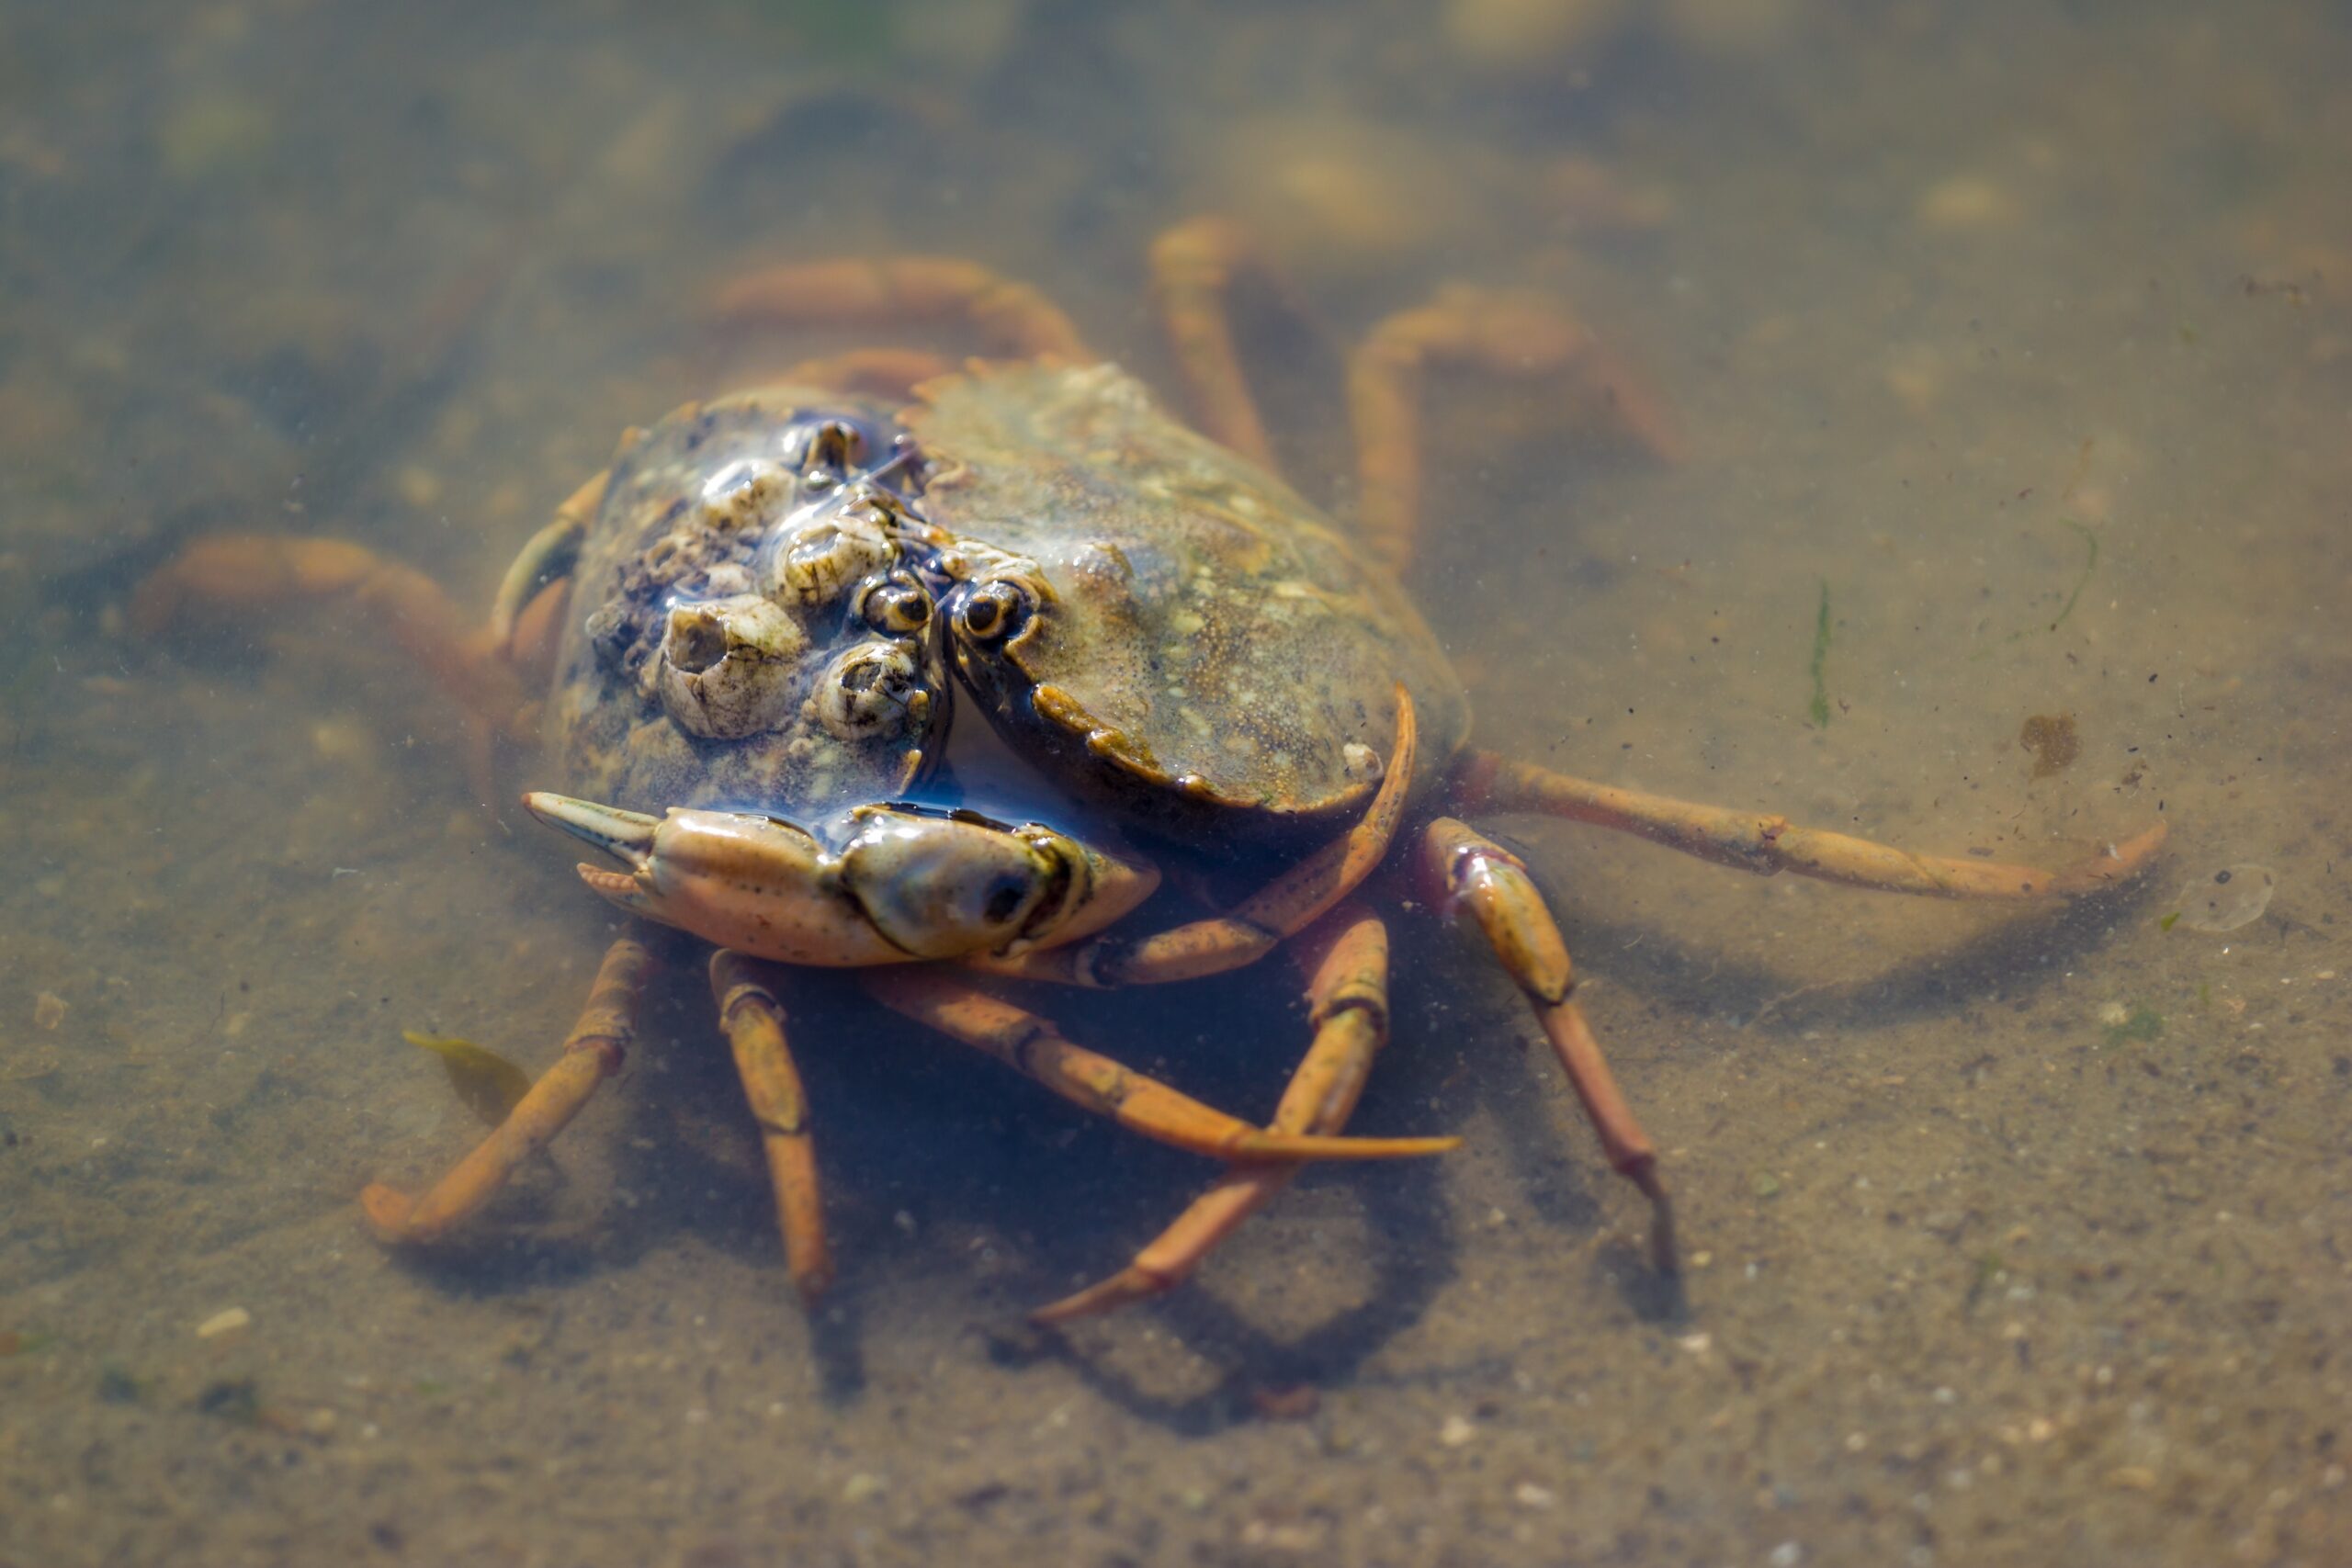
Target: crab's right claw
<point>904,884</point>
<point>627,836</point>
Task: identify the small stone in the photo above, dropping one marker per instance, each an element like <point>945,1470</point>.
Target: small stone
<point>221,1323</point>
<point>1788,1555</point>
<point>2114,1015</point>
<point>1531,1495</point>
<point>1967,201</point>
<point>1456,1431</point>
<point>862,1486</point>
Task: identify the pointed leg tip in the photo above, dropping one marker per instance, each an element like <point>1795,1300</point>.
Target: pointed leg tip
<point>1125,1288</point>
<point>389,1212</point>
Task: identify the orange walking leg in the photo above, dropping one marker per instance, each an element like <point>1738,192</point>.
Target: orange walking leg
<point>1012,317</point>
<point>1348,958</point>
<point>1192,269</point>
<point>878,372</point>
<point>753,1020</point>
<point>261,574</point>
<point>1764,843</point>
<point>591,1053</point>
<point>1473,872</point>
<point>1029,1045</point>
<point>1500,333</point>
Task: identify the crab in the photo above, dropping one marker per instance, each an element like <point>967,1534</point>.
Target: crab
<point>752,632</point>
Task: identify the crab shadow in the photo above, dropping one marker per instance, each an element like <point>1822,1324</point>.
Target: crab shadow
<point>922,1144</point>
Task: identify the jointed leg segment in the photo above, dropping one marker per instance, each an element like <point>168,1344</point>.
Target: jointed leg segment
<point>1192,267</point>
<point>1500,333</point>
<point>1763,843</point>
<point>1348,957</point>
<point>1473,872</point>
<point>262,573</point>
<point>592,1052</point>
<point>1013,318</point>
<point>753,1020</point>
<point>1029,1045</point>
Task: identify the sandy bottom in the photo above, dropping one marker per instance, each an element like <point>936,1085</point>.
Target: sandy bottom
<point>2009,1237</point>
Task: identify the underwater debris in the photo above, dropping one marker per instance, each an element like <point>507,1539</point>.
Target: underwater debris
<point>2051,737</point>
<point>226,1322</point>
<point>1820,708</point>
<point>2135,1022</point>
<point>2081,578</point>
<point>2224,900</point>
<point>489,1084</point>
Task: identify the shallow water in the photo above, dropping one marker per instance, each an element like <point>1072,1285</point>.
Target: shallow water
<point>2017,337</point>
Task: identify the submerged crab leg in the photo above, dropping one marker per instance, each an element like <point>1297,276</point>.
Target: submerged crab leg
<point>591,1053</point>
<point>1348,998</point>
<point>1243,934</point>
<point>882,372</point>
<point>545,558</point>
<point>753,1020</point>
<point>1029,1045</point>
<point>1764,843</point>
<point>1469,872</point>
<point>266,572</point>
<point>1013,317</point>
<point>1500,333</point>
<point>1193,266</point>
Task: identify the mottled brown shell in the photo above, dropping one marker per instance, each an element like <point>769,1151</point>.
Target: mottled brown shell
<point>695,513</point>
<point>1212,655</point>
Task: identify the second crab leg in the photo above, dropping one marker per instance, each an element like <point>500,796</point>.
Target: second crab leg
<point>262,573</point>
<point>1498,332</point>
<point>1764,843</point>
<point>592,1052</point>
<point>753,1020</point>
<point>1348,998</point>
<point>1013,317</point>
<point>1473,872</point>
<point>1029,1045</point>
<point>1192,267</point>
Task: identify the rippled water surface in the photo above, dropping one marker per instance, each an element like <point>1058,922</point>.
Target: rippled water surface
<point>2009,352</point>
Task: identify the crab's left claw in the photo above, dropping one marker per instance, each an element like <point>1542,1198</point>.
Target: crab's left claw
<point>903,884</point>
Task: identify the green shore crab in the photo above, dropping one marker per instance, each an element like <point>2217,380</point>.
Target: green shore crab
<point>755,629</point>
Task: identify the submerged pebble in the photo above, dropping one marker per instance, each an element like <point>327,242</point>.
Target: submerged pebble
<point>221,1323</point>
<point>2225,900</point>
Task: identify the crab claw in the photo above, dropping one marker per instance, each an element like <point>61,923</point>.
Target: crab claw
<point>625,835</point>
<point>903,885</point>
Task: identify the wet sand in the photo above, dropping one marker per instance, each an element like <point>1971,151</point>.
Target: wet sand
<point>2009,1237</point>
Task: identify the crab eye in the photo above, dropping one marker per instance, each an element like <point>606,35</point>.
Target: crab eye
<point>896,606</point>
<point>994,610</point>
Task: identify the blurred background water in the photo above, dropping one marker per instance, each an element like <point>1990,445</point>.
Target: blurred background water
<point>2012,344</point>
